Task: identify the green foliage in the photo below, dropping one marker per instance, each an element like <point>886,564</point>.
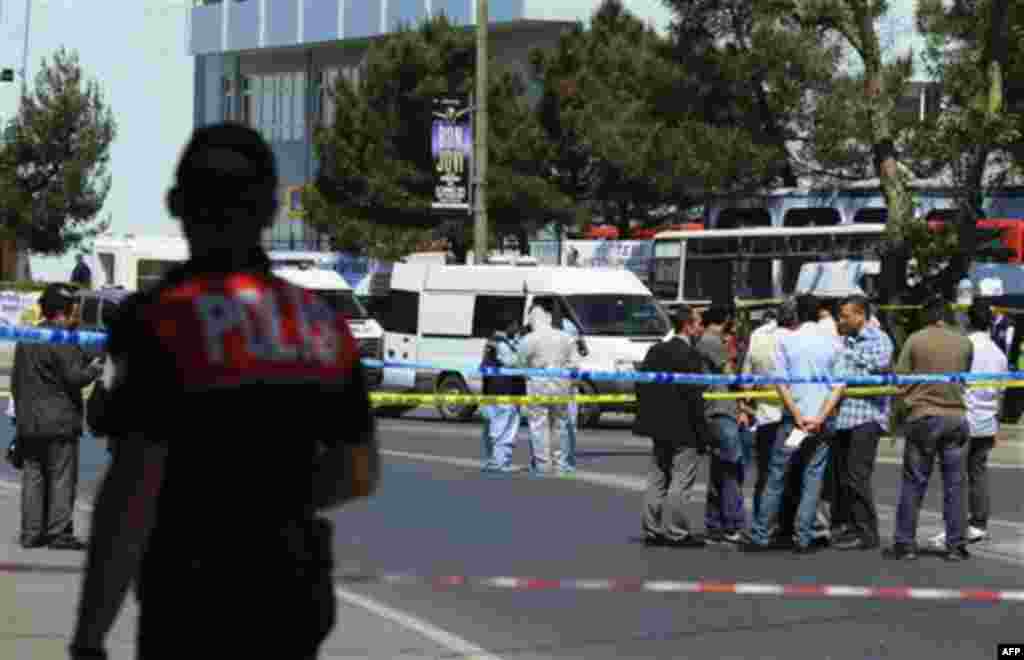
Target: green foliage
<point>53,174</point>
<point>377,162</point>
<point>628,128</point>
<point>358,236</point>
<point>754,65</point>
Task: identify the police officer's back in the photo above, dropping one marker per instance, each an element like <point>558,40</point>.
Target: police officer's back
<point>240,410</point>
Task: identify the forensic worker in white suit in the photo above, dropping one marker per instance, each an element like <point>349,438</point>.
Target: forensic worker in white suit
<point>546,348</point>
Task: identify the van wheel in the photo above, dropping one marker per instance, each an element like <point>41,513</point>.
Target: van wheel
<point>588,414</point>
<point>453,384</point>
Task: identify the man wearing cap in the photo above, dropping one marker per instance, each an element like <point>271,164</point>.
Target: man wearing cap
<point>46,388</point>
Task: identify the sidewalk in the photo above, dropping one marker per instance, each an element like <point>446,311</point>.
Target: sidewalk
<point>39,608</point>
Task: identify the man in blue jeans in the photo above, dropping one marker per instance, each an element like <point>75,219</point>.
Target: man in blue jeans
<point>803,353</point>
<point>724,515</point>
<point>936,426</point>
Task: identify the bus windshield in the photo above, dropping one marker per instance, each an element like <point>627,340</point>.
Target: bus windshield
<point>346,303</point>
<point>619,315</point>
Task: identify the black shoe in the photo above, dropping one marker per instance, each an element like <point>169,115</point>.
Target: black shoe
<point>35,543</point>
<point>811,549</point>
<point>67,543</point>
<point>957,554</point>
<point>654,541</point>
<point>766,547</point>
<point>899,551</point>
<point>855,543</point>
<point>690,541</point>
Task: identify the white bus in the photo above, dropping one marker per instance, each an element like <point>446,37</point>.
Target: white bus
<point>757,263</point>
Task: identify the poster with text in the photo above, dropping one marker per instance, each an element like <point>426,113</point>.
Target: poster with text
<point>452,149</point>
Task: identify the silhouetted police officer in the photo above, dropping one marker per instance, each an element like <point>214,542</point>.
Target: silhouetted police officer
<point>240,410</point>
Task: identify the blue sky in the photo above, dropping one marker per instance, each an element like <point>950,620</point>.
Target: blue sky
<point>137,51</point>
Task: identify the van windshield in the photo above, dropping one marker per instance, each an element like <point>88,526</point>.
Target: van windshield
<point>346,303</point>
<point>619,315</point>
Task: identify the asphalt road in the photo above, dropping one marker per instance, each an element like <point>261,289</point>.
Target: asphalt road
<point>436,514</point>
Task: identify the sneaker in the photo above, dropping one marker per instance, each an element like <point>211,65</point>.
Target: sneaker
<point>690,541</point>
<point>957,554</point>
<point>974,535</point>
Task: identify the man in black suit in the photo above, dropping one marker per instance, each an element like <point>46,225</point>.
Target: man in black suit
<point>672,415</point>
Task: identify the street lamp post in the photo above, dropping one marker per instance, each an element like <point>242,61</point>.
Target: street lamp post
<point>480,216</point>
<point>24,50</point>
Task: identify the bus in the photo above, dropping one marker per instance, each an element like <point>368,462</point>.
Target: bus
<point>754,263</point>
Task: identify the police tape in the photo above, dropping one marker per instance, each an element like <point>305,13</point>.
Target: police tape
<point>385,399</point>
<point>673,378</point>
<point>33,335</point>
<point>631,585</point>
<point>97,339</point>
<point>379,399</point>
<point>856,392</point>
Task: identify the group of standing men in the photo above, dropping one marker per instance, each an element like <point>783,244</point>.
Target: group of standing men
<point>816,446</point>
<point>550,341</point>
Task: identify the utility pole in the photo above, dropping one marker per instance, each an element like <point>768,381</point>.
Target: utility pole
<point>480,216</point>
<point>24,50</point>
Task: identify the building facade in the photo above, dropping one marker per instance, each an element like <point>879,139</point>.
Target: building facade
<point>270,64</point>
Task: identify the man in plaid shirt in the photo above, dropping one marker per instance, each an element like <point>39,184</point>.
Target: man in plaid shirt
<point>867,351</point>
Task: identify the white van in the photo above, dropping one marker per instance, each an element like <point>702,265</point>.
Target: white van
<point>443,315</point>
<point>133,263</point>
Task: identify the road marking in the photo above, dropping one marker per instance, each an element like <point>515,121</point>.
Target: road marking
<point>453,643</point>
<point>468,430</point>
<point>1011,551</point>
<point>439,636</point>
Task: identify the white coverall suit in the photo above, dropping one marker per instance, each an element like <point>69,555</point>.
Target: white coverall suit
<point>546,348</point>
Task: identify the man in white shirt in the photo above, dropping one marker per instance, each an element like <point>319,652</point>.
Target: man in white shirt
<point>760,361</point>
<point>983,408</point>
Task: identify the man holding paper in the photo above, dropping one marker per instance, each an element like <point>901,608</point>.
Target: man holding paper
<point>804,353</point>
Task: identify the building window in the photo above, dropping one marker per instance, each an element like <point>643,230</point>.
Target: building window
<point>299,106</point>
<point>286,104</point>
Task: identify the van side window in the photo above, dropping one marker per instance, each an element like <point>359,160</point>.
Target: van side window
<point>493,313</point>
<point>401,313</point>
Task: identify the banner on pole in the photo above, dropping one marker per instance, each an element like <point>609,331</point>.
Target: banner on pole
<point>451,145</point>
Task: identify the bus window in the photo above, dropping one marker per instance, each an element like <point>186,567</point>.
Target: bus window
<point>740,218</point>
<point>665,281</point>
<point>871,216</point>
<point>812,217</point>
<point>806,245</point>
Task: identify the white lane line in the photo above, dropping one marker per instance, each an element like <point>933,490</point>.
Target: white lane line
<point>461,430</point>
<point>639,484</point>
<point>453,643</point>
<point>439,636</point>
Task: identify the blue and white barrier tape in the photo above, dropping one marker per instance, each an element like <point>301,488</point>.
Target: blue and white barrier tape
<point>51,336</point>
<point>704,379</point>
<point>32,335</point>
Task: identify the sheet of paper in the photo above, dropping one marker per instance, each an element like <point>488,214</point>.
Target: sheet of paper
<point>795,438</point>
